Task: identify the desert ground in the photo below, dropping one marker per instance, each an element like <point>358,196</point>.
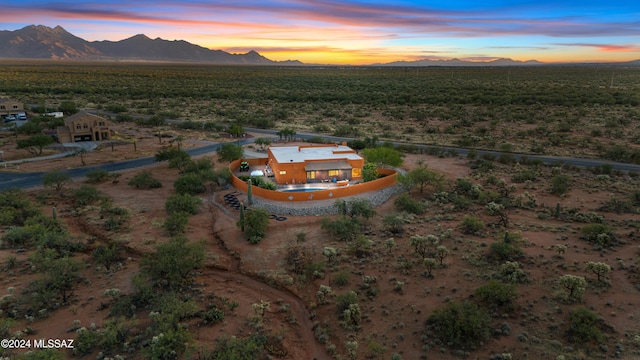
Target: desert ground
<point>394,292</point>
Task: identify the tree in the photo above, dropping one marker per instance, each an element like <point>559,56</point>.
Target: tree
<point>286,133</point>
<point>498,210</point>
<point>57,179</point>
<point>81,152</point>
<point>441,253</point>
<point>422,176</point>
<point>35,143</point>
<point>180,160</point>
<point>600,269</point>
<point>429,264</point>
<point>255,224</point>
<point>369,172</point>
<point>576,286</point>
<point>262,142</point>
<point>144,180</point>
<point>172,265</point>
<point>383,156</point>
<point>236,129</point>
<point>63,277</point>
<point>229,152</point>
<point>68,107</point>
<point>422,244</point>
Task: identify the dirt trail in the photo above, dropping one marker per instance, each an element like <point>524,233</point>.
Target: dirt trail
<point>259,289</point>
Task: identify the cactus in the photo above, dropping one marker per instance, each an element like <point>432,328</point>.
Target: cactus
<point>53,213</point>
<point>249,194</point>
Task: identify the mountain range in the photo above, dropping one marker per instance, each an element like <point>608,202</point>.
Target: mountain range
<point>43,42</point>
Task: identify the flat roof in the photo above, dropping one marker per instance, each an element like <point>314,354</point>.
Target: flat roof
<point>327,165</point>
<point>296,154</point>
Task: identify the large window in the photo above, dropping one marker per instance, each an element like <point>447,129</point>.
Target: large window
<point>333,172</point>
<point>356,172</point>
<point>311,175</point>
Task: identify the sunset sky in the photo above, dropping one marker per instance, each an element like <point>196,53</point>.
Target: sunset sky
<point>358,32</point>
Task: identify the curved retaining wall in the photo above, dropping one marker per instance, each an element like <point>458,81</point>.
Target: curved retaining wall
<point>388,180</point>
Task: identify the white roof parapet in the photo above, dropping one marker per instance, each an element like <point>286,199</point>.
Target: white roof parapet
<point>296,154</point>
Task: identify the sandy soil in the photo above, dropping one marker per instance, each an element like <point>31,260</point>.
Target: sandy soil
<point>393,321</point>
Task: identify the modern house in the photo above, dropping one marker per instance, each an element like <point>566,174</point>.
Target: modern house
<point>10,107</point>
<point>83,126</point>
<point>316,163</point>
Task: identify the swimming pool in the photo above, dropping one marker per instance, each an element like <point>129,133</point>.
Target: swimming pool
<point>302,190</point>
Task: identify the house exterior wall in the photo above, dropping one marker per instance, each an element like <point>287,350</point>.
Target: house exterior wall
<point>85,127</point>
<point>10,107</point>
<point>294,172</point>
<point>389,179</point>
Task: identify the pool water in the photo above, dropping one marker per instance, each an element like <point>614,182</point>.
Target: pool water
<point>303,190</point>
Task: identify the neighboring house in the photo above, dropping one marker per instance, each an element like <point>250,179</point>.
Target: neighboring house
<point>316,163</point>
<point>10,107</point>
<point>83,126</point>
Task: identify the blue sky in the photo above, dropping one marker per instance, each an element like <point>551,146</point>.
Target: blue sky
<point>358,32</point>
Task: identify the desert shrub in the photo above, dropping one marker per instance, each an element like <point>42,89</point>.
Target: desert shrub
<point>16,208</point>
<point>251,347</point>
<point>471,224</point>
<point>255,223</point>
<point>85,341</point>
<point>189,184</point>
<point>182,203</point>
<point>259,182</point>
<point>170,153</point>
<point>601,270</point>
<point>343,301</point>
<point>406,203</point>
<point>176,223</point>
<point>43,354</point>
<point>560,184</point>
<point>341,228</point>
<point>459,325</point>
<point>598,234</point>
<point>97,176</point>
<point>503,251</point>
<point>172,264</point>
<point>144,180</point>
<point>618,206</point>
<point>497,295</point>
<point>393,223</point>
<point>525,175</point>
<point>212,315</point>
<point>86,195</point>
<point>510,272</point>
<point>108,254</point>
<point>341,278</point>
<point>575,285</point>
<point>584,326</point>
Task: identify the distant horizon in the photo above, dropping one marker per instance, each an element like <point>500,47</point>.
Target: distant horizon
<point>360,32</point>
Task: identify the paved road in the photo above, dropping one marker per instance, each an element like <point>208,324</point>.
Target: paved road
<point>27,180</point>
<point>581,162</point>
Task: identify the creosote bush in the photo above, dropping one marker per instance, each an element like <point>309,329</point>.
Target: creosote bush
<point>144,180</point>
<point>471,225</point>
<point>459,325</point>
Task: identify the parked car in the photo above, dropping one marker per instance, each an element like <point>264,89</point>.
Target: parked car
<point>21,116</point>
<point>9,118</point>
